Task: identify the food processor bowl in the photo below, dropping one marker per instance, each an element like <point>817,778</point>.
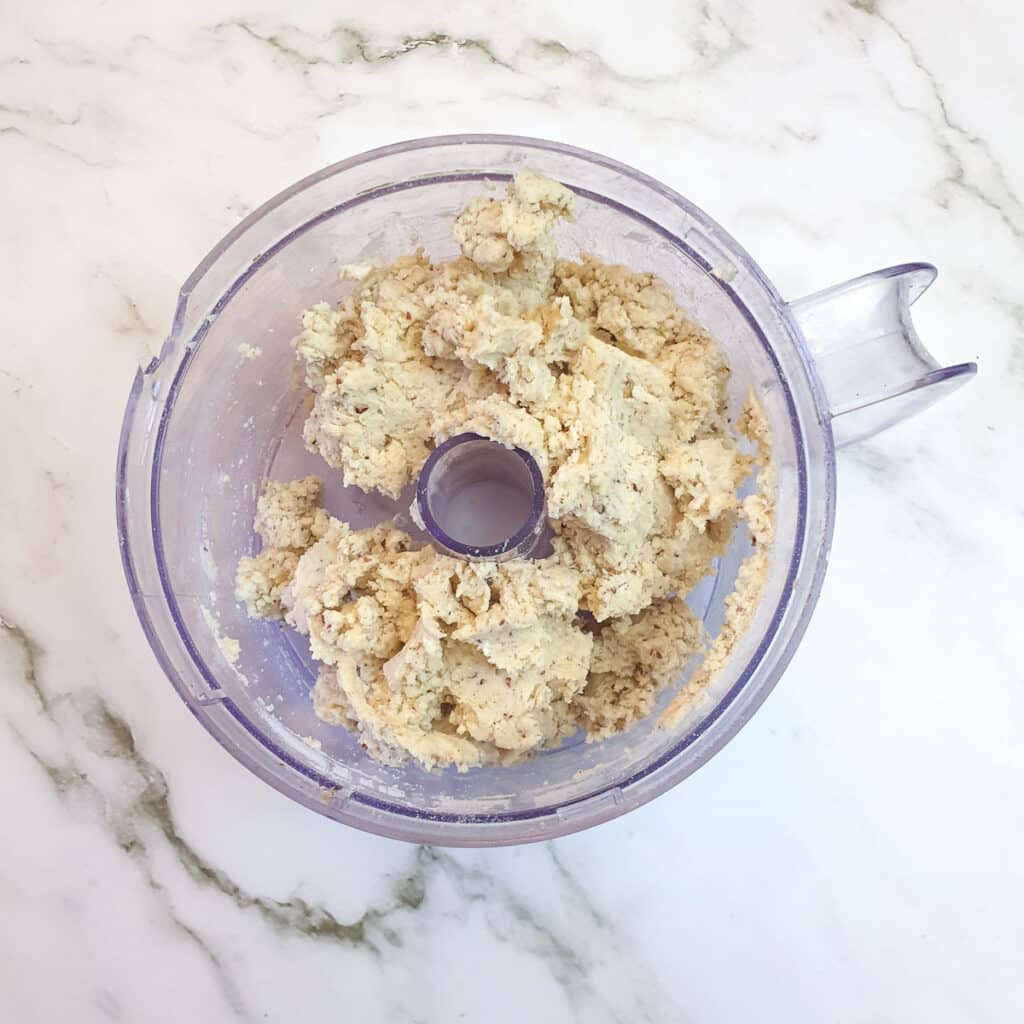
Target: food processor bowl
<point>222,407</point>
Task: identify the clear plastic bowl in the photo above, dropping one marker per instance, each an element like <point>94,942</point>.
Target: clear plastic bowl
<point>205,425</point>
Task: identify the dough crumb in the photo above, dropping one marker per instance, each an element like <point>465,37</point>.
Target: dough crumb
<point>229,646</point>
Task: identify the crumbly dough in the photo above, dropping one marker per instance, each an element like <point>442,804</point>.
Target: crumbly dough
<point>288,520</point>
<point>597,372</point>
<point>741,604</point>
<point>453,662</point>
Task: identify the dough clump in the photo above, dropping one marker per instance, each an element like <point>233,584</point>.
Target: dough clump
<point>621,399</point>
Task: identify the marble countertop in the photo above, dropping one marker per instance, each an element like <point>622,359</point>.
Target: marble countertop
<point>855,854</point>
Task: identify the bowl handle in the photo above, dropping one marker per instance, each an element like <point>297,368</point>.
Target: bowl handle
<point>872,365</point>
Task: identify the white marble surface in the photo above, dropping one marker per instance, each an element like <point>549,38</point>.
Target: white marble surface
<point>856,854</point>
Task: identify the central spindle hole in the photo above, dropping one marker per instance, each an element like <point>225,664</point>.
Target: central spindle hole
<point>479,494</point>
